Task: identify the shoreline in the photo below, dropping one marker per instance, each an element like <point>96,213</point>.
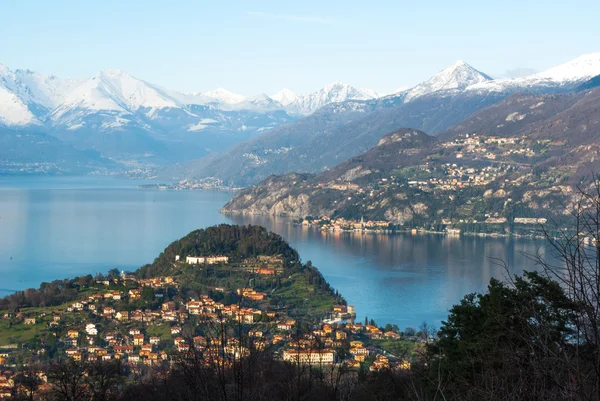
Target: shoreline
<point>389,231</point>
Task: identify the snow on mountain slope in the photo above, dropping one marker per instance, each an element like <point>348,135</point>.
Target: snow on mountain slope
<point>196,98</point>
<point>46,89</point>
<point>112,91</point>
<point>13,112</point>
<point>40,93</point>
<point>285,96</point>
<point>258,103</point>
<point>458,76</point>
<point>225,96</point>
<point>333,93</point>
<point>560,78</point>
<point>579,69</point>
<point>30,98</point>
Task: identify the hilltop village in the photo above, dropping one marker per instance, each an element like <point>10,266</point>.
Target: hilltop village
<point>472,184</point>
<point>150,322</point>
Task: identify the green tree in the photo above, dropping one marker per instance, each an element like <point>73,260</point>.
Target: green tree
<point>503,342</point>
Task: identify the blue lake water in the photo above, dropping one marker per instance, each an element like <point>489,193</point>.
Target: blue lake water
<point>57,227</point>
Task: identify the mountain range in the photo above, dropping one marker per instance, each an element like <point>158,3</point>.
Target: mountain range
<point>128,119</point>
<point>242,140</point>
<point>499,170</point>
<point>344,129</point>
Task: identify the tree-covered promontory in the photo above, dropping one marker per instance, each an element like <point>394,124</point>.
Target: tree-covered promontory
<point>236,242</point>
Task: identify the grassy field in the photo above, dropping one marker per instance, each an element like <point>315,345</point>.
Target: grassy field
<point>160,330</point>
<point>298,292</point>
<point>401,348</point>
<point>19,333</point>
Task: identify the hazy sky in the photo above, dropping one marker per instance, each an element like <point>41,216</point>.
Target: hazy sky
<point>261,46</point>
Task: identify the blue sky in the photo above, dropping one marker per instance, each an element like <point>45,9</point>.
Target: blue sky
<point>261,46</point>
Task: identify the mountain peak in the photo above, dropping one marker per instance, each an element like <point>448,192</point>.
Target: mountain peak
<point>581,68</point>
<point>114,73</point>
<point>335,92</point>
<point>4,70</point>
<point>456,76</point>
<point>337,85</point>
<point>285,96</point>
<point>225,96</point>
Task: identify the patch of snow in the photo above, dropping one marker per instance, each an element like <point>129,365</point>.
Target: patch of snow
<point>118,122</point>
<point>512,117</point>
<point>203,123</point>
<point>75,127</point>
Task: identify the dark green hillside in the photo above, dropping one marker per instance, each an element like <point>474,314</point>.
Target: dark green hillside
<point>236,242</point>
<point>297,288</point>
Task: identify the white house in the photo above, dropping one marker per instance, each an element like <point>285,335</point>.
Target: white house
<point>310,357</point>
<point>91,329</point>
<point>194,260</point>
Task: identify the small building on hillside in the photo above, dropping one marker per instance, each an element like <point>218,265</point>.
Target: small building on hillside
<point>310,356</point>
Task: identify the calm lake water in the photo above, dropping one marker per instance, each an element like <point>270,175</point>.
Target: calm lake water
<point>59,227</point>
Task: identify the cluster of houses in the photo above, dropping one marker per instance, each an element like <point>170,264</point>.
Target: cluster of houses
<point>318,346</point>
<point>101,328</point>
<point>11,386</point>
<point>454,176</point>
<point>327,223</point>
<point>265,265</point>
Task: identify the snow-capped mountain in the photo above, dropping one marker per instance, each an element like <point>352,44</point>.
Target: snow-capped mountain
<point>13,112</point>
<point>28,96</point>
<point>225,96</point>
<point>458,76</point>
<point>556,79</point>
<point>114,99</point>
<point>333,93</point>
<point>260,103</point>
<point>342,130</point>
<point>285,96</point>
<point>581,68</point>
<point>116,95</point>
<point>116,113</point>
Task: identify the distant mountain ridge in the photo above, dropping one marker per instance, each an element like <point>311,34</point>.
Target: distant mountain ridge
<point>498,170</point>
<point>458,76</point>
<point>127,118</point>
<point>39,153</point>
<point>341,130</point>
<point>130,120</point>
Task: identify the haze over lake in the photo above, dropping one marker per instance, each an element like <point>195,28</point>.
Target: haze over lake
<point>57,227</point>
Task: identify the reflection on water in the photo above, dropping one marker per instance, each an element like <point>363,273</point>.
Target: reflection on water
<point>404,279</point>
<point>62,227</point>
<point>52,228</point>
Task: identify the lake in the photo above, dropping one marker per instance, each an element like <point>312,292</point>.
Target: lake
<point>57,227</point>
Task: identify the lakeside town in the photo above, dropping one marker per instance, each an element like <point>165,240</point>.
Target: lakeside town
<point>147,323</point>
<point>326,223</point>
